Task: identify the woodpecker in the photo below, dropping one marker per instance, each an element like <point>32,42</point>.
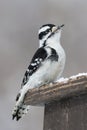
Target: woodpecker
<point>46,65</point>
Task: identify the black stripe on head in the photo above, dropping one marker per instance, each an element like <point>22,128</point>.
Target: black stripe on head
<point>50,25</point>
<point>43,33</point>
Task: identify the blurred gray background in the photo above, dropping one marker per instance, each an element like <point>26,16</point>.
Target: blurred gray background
<point>19,24</point>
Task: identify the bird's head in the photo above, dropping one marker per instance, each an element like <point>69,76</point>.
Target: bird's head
<point>49,32</point>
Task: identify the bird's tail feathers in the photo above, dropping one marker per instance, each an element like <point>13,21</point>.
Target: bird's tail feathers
<point>19,111</point>
<point>20,108</point>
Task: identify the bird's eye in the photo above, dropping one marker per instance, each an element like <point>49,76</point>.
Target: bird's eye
<point>47,31</point>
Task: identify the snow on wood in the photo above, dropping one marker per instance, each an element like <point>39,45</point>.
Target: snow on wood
<point>65,80</point>
<point>62,88</point>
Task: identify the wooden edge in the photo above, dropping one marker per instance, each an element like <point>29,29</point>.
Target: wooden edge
<point>48,93</point>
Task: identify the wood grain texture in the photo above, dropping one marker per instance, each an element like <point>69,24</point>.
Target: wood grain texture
<point>56,91</point>
<point>66,114</point>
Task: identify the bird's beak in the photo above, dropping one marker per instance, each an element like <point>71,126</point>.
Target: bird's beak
<point>55,28</point>
<point>59,27</point>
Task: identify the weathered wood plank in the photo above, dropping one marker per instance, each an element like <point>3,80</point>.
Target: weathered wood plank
<point>66,114</point>
<point>57,91</point>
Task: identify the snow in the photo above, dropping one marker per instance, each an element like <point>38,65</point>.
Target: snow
<point>65,80</point>
<point>62,80</point>
<point>78,75</point>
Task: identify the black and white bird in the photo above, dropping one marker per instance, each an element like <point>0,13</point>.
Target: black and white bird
<point>46,65</point>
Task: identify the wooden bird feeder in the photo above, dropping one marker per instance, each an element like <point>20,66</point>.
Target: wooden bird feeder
<point>65,103</point>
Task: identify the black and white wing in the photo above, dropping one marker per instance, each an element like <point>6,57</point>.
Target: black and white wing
<point>20,108</point>
<point>35,63</point>
<point>41,55</point>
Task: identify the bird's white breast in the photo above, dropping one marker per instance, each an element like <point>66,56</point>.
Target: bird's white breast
<point>61,57</point>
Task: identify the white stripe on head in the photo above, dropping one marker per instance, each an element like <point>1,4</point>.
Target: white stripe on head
<point>43,29</point>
